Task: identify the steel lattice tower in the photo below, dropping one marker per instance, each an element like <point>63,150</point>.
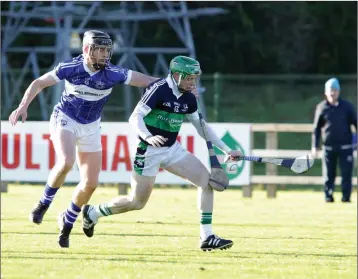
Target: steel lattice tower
<point>66,20</point>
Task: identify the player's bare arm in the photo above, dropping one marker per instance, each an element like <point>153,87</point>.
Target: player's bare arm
<point>141,80</point>
<point>195,120</point>
<point>31,92</point>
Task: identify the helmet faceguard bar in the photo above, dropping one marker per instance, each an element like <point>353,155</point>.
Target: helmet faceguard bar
<point>183,76</point>
<point>109,49</point>
<point>101,41</point>
<point>93,48</point>
<point>188,69</point>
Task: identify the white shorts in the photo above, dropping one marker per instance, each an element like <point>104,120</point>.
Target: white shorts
<point>149,159</point>
<point>88,135</point>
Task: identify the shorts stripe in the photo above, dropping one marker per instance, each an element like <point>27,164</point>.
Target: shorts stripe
<point>139,159</point>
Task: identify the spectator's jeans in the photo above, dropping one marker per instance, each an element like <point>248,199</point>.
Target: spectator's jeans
<point>330,158</point>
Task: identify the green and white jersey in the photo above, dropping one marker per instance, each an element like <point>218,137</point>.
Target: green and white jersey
<point>167,109</point>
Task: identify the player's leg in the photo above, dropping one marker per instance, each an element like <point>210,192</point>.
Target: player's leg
<point>146,166</point>
<point>141,188</point>
<point>64,142</point>
<point>89,164</point>
<point>89,159</point>
<point>329,167</point>
<point>346,166</point>
<point>191,168</point>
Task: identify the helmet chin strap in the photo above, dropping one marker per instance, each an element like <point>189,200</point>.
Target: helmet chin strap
<point>178,83</point>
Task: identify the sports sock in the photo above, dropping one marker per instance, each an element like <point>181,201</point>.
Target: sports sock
<point>48,195</point>
<point>205,225</point>
<point>71,214</point>
<point>99,211</point>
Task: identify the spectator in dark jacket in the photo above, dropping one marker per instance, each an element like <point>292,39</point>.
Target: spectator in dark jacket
<point>335,116</point>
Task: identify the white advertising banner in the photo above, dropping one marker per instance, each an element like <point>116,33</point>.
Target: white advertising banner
<point>27,152</point>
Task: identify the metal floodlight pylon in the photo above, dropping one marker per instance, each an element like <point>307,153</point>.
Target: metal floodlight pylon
<point>66,20</point>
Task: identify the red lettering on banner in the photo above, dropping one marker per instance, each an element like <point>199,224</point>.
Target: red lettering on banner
<point>5,150</point>
<point>29,163</point>
<point>104,152</point>
<point>121,141</point>
<point>51,151</point>
<point>189,143</point>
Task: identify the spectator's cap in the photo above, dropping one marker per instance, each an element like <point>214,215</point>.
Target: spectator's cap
<point>332,83</point>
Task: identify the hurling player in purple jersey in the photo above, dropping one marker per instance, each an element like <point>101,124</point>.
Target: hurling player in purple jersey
<point>75,121</point>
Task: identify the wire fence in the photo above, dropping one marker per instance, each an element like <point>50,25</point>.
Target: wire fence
<point>227,98</point>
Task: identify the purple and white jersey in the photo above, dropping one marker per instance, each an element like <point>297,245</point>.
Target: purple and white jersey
<point>86,92</point>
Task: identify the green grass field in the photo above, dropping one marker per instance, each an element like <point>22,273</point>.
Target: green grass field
<point>296,235</point>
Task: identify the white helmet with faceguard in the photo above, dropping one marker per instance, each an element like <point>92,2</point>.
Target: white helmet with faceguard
<point>101,41</point>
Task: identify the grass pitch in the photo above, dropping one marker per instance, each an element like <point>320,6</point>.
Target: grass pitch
<point>296,235</point>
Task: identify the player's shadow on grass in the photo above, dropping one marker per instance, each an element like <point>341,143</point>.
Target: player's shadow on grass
<point>99,234</point>
<point>242,225</point>
<point>165,235</point>
<point>70,257</point>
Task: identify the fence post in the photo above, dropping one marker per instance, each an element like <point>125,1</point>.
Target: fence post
<point>271,143</point>
<point>4,186</point>
<point>217,94</point>
<point>122,189</point>
<point>247,189</point>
